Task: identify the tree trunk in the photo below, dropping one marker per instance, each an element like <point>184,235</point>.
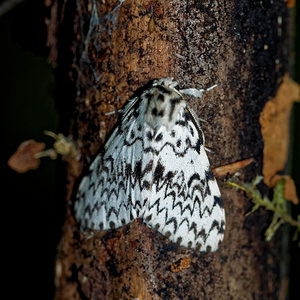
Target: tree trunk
<point>109,49</point>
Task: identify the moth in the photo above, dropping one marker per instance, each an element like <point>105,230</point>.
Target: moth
<point>154,167</point>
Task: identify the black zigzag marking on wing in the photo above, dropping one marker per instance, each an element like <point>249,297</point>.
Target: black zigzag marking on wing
<point>169,198</point>
<point>110,179</point>
<point>109,176</point>
<point>157,152</point>
<point>185,193</point>
<point>183,207</point>
<point>199,232</point>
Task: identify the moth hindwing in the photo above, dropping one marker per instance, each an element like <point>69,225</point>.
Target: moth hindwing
<point>154,167</point>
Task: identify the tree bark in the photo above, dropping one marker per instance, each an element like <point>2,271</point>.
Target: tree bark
<point>109,49</point>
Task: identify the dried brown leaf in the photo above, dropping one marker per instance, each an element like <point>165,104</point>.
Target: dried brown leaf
<point>274,121</point>
<point>24,159</point>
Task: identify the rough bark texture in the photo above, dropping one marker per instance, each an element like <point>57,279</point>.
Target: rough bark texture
<point>111,48</point>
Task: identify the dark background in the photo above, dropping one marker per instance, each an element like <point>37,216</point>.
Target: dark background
<point>33,203</point>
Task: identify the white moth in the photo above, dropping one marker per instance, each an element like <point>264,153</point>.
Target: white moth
<point>154,167</point>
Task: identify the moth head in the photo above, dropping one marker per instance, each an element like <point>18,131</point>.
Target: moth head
<point>162,106</point>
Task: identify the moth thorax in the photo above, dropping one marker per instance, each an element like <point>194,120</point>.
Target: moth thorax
<point>163,107</point>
